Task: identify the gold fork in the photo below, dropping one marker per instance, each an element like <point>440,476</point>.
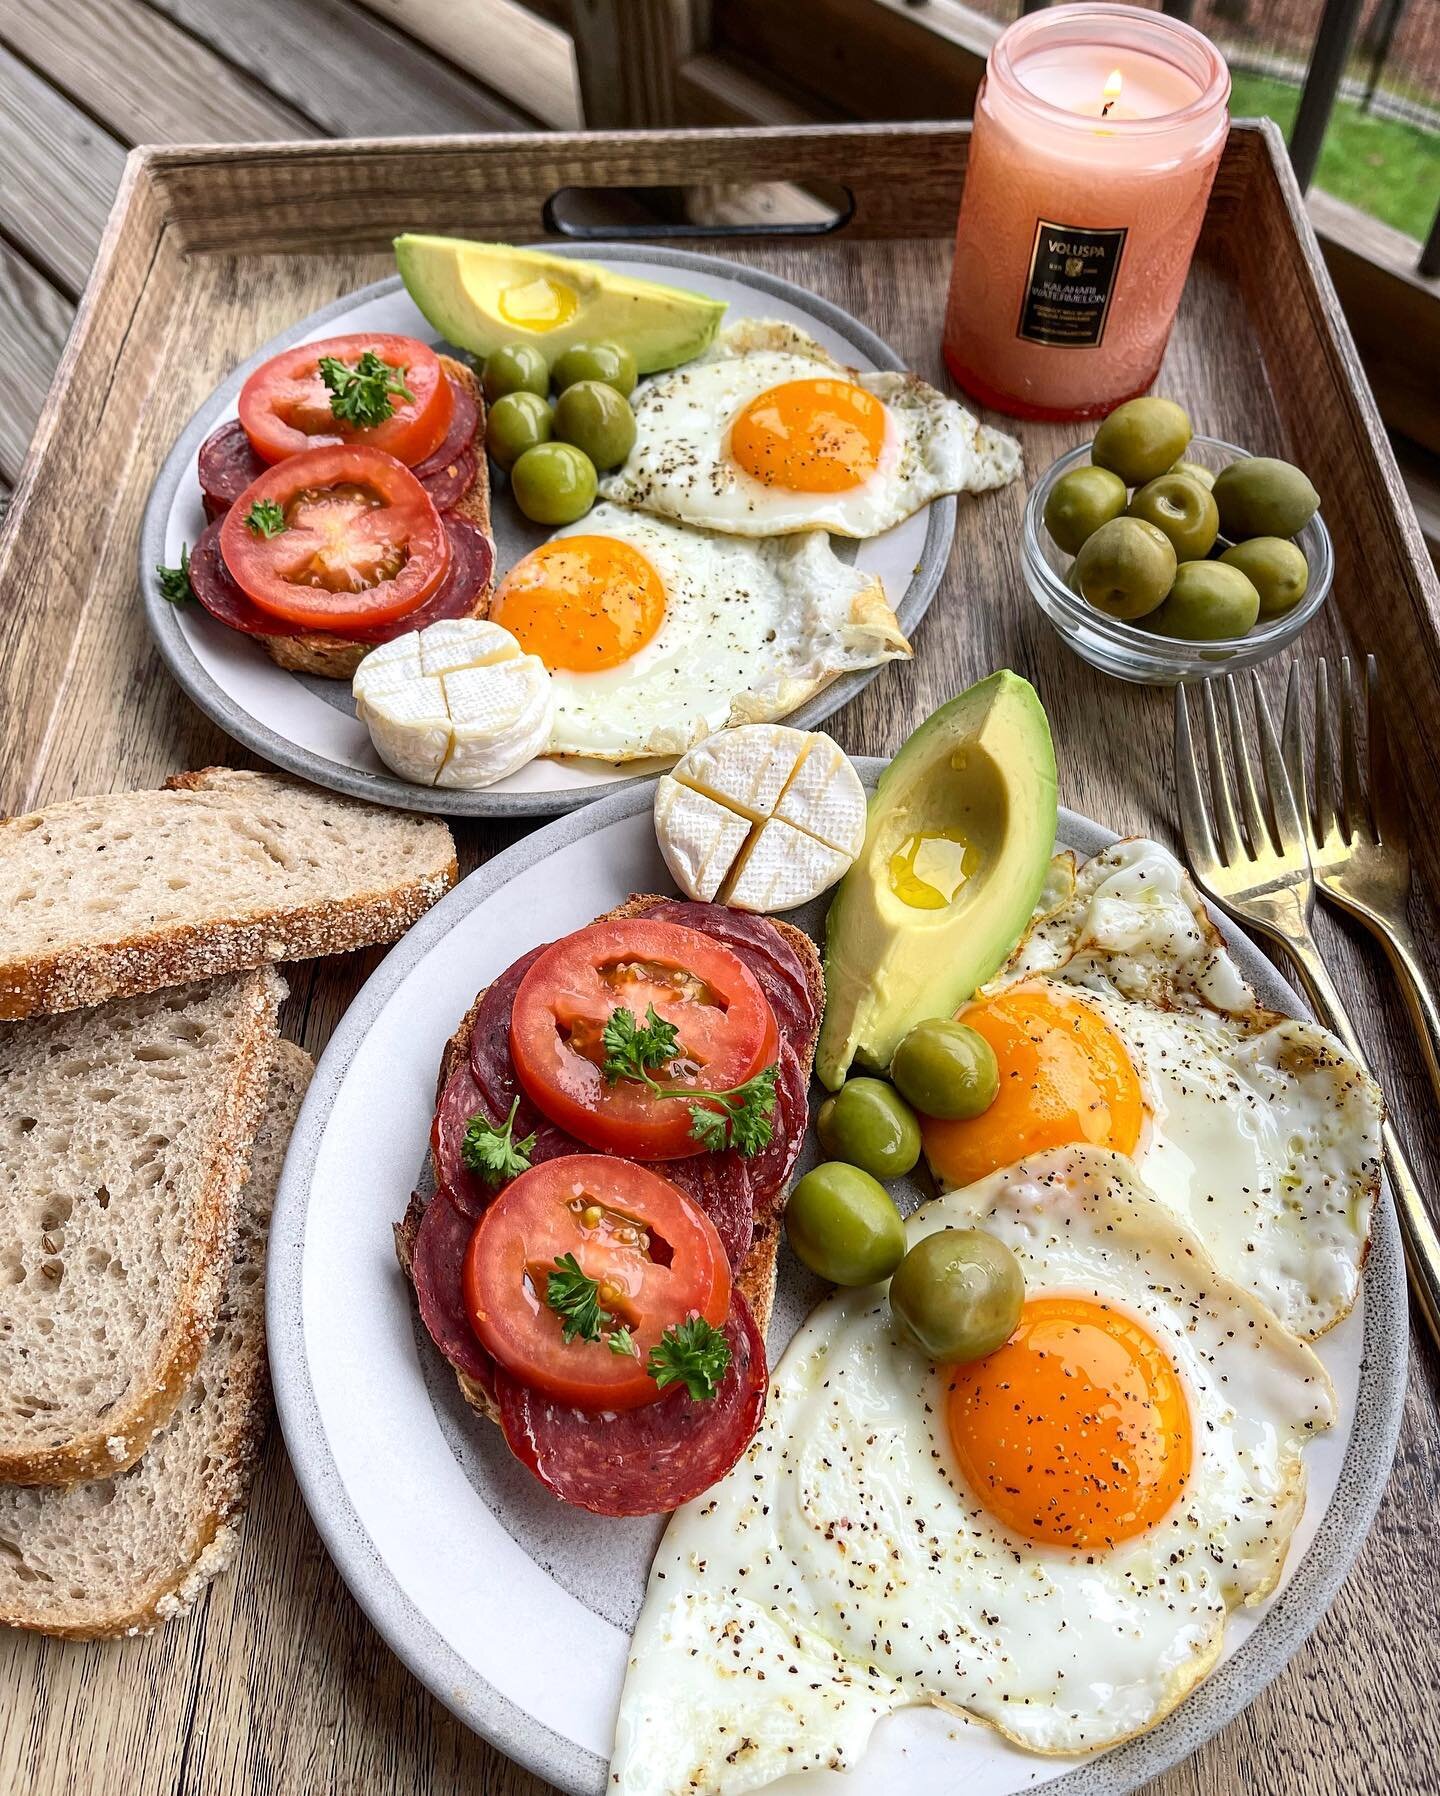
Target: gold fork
<point>1360,853</point>
<point>1261,875</point>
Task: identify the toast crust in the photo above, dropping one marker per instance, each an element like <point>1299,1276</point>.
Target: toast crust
<point>77,975</point>
<point>110,1448</point>
<point>336,657</point>
<point>756,1277</point>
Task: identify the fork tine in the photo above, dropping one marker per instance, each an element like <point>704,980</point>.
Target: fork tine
<point>1194,817</point>
<point>1355,811</point>
<point>1294,750</point>
<point>1256,828</point>
<point>1387,807</point>
<point>1227,825</point>
<point>1288,831</point>
<point>1326,823</point>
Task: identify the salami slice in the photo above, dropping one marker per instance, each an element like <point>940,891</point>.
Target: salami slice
<point>436,1261</point>
<point>448,485</point>
<point>769,1170</point>
<point>227,465</point>
<point>458,440</point>
<point>763,949</point>
<point>494,1072</point>
<point>720,1184</point>
<point>461,1099</point>
<point>472,560</point>
<point>644,1461</point>
<point>217,591</point>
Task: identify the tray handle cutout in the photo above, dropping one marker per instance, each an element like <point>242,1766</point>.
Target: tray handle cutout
<point>751,209</point>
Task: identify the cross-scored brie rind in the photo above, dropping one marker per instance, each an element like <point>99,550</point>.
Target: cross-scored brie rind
<point>410,727</point>
<point>746,768</point>
<point>700,839</point>
<point>782,867</point>
<point>825,797</point>
<point>500,714</point>
<point>456,642</point>
<point>389,665</point>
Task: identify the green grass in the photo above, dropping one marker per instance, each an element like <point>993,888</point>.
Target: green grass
<point>1385,167</point>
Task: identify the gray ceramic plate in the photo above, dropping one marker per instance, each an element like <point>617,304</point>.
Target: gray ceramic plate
<point>308,726</point>
<point>478,1579</point>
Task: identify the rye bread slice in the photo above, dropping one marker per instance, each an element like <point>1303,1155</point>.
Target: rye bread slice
<point>335,657</point>
<point>121,1555</point>
<point>122,893</point>
<point>124,1136</point>
<point>756,1277</point>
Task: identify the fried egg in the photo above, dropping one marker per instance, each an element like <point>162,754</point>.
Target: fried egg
<point>767,433</point>
<point>1048,1540</point>
<point>1122,1020</point>
<point>656,635</point>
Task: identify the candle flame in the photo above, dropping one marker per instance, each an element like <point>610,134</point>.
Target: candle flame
<point>1114,81</point>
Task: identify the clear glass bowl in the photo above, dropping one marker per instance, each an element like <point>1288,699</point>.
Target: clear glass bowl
<point>1131,653</point>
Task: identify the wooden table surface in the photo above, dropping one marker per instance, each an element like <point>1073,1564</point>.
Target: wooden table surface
<point>278,1684</point>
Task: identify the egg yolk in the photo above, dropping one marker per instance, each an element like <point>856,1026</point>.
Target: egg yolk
<point>810,436</point>
<point>1077,1431</point>
<point>583,603</point>
<point>1065,1078</point>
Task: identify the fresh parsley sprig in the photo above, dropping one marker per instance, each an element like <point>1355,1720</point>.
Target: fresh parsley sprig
<point>365,394</point>
<point>266,517</point>
<point>175,585</point>
<point>738,1117</point>
<point>575,1298</point>
<point>494,1152</point>
<point>695,1354</point>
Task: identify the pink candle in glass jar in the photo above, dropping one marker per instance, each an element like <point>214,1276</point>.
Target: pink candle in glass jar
<point>1097,132</point>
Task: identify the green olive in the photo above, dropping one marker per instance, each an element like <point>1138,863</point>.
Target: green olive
<point>610,363</point>
<point>870,1125</point>
<point>1080,502</point>
<point>554,483</point>
<point>514,368</point>
<point>516,422</point>
<point>1126,568</point>
<point>1264,497</point>
<point>958,1294</point>
<point>1196,471</point>
<point>946,1069</point>
<point>1207,601</point>
<point>1275,568</point>
<point>844,1225</point>
<point>1141,439</point>
<point>598,420</point>
<point>1182,510</point>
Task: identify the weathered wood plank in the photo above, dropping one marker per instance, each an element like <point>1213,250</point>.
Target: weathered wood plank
<point>142,76</point>
<point>34,323</point>
<point>528,60</point>
<point>60,175</point>
<point>344,70</point>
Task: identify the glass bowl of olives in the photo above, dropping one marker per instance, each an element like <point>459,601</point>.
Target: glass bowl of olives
<point>1178,599</point>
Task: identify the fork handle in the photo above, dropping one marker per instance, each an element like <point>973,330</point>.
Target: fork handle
<point>1422,1244</point>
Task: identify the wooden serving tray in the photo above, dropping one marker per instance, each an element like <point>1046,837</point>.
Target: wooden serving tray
<point>280,1684</point>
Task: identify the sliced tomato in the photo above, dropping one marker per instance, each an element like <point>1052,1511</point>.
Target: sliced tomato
<point>362,542</point>
<point>285,405</point>
<point>651,1249</point>
<point>726,1031</point>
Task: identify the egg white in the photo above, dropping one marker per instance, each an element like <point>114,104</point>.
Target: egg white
<point>750,632</point>
<point>1262,1131</point>
<point>680,466</point>
<point>845,1569</point>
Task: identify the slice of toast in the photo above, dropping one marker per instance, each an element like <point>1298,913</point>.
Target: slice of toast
<point>336,657</point>
<point>125,1133</point>
<point>756,1277</point>
<point>121,1555</point>
<point>123,893</point>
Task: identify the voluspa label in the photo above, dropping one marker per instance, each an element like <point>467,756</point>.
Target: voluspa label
<point>1072,276</point>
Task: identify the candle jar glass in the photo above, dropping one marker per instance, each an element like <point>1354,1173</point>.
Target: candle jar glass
<point>1097,133</point>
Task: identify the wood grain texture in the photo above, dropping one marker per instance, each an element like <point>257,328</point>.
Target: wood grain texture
<point>278,1685</point>
<point>141,76</point>
<point>60,172</point>
<point>34,322</point>
<point>338,66</point>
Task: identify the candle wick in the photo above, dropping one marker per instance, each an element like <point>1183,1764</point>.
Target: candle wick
<point>1105,109</point>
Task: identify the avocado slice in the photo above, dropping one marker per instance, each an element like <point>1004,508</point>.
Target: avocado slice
<point>480,295</point>
<point>960,833</point>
